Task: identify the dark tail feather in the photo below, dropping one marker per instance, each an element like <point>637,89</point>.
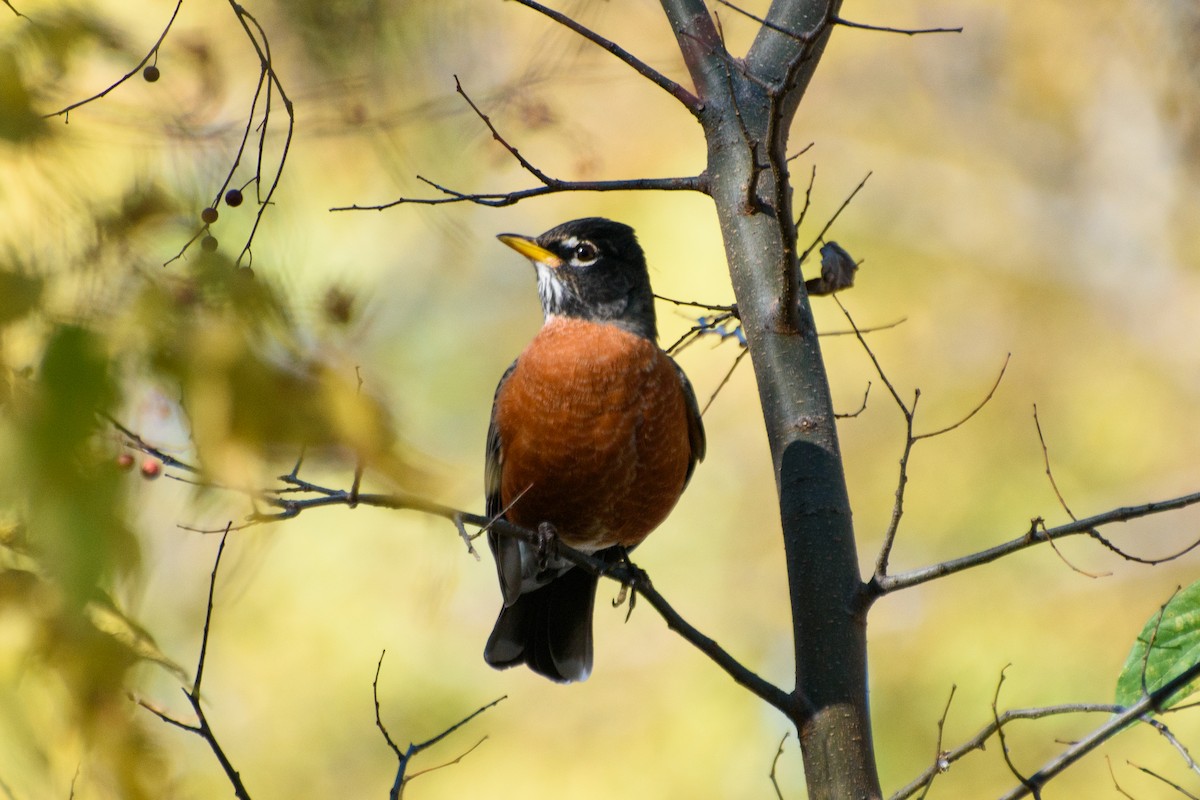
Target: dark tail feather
<point>550,629</point>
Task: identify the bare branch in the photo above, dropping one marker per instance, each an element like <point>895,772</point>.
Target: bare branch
<point>1170,783</point>
<point>1061,501</point>
<point>845,23</point>
<point>139,443</point>
<point>1161,727</point>
<point>861,408</point>
<point>775,763</point>
<point>1046,461</point>
<point>66,111</point>
<point>829,224</point>
<point>689,100</point>
<point>297,495</point>
<point>871,329</point>
<point>1003,743</point>
<point>693,304</point>
<point>973,411</point>
<point>202,728</point>
<point>415,748</point>
<point>269,80</point>
<point>979,740</point>
<point>268,69</point>
<point>729,374</point>
<point>697,183</point>
<point>905,580</point>
<point>812,179</point>
<point>1150,703</point>
<point>1116,785</point>
<point>940,764</point>
<point>806,37</point>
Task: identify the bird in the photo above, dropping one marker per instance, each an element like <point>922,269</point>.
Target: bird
<point>594,433</point>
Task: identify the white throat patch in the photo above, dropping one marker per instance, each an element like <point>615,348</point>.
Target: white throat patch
<point>550,288</point>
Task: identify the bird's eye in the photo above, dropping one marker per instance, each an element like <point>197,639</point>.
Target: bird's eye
<point>584,253</point>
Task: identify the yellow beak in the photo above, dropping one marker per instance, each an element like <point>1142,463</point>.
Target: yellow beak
<point>531,249</point>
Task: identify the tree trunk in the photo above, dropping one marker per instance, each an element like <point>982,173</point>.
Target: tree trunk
<point>748,109</point>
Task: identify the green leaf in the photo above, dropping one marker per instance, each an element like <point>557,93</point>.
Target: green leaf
<point>1173,636</point>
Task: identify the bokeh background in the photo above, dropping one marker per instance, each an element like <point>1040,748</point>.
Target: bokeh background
<point>1035,192</point>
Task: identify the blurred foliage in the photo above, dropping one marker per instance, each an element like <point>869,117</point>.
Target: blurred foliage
<point>1035,191</point>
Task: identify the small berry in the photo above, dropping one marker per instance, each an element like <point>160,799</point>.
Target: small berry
<point>151,74</point>
<point>151,468</point>
<point>208,244</point>
<point>233,198</point>
<point>125,462</point>
<point>208,215</point>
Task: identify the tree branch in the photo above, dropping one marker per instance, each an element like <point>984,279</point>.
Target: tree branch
<point>550,185</point>
<point>979,740</point>
<point>415,748</point>
<point>845,23</point>
<point>1151,702</point>
<point>284,499</point>
<point>905,580</point>
<point>202,728</point>
<point>689,100</point>
<point>66,111</point>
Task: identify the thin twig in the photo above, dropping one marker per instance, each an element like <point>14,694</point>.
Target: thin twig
<point>268,68</point>
<point>1003,743</point>
<point>979,740</point>
<point>940,762</point>
<point>820,237</point>
<point>845,23</point>
<point>1151,702</point>
<point>689,100</point>
<point>524,162</point>
<point>1168,782</point>
<point>1166,733</point>
<point>915,577</point>
<point>1113,775</point>
<point>697,183</point>
<point>202,728</point>
<point>775,764</point>
<point>731,308</point>
<point>66,111</point>
<point>812,179</point>
<point>1037,423</point>
<point>406,755</point>
<point>729,374</point>
<point>979,407</point>
<point>805,38</point>
<point>861,408</point>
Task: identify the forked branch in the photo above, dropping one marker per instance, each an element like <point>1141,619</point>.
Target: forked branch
<point>549,184</point>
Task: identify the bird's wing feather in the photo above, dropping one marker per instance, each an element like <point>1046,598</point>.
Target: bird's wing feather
<point>696,436</point>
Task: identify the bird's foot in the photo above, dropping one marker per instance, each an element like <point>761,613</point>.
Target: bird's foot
<point>546,545</point>
<point>633,575</point>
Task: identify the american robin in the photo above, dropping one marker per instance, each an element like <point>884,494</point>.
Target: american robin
<point>595,431</point>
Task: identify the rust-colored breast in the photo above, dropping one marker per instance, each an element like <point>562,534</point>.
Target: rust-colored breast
<point>593,427</point>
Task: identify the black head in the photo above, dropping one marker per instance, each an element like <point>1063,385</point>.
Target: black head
<point>592,269</point>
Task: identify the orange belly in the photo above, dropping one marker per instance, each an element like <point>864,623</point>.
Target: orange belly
<point>594,435</point>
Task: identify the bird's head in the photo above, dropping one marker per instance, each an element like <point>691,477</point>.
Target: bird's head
<point>591,269</point>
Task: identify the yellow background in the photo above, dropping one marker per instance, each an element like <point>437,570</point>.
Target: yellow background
<point>1034,192</point>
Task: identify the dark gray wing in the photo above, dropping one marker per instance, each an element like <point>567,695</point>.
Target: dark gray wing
<point>505,549</point>
<point>696,436</point>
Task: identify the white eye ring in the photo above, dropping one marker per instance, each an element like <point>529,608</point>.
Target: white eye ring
<point>584,253</point>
